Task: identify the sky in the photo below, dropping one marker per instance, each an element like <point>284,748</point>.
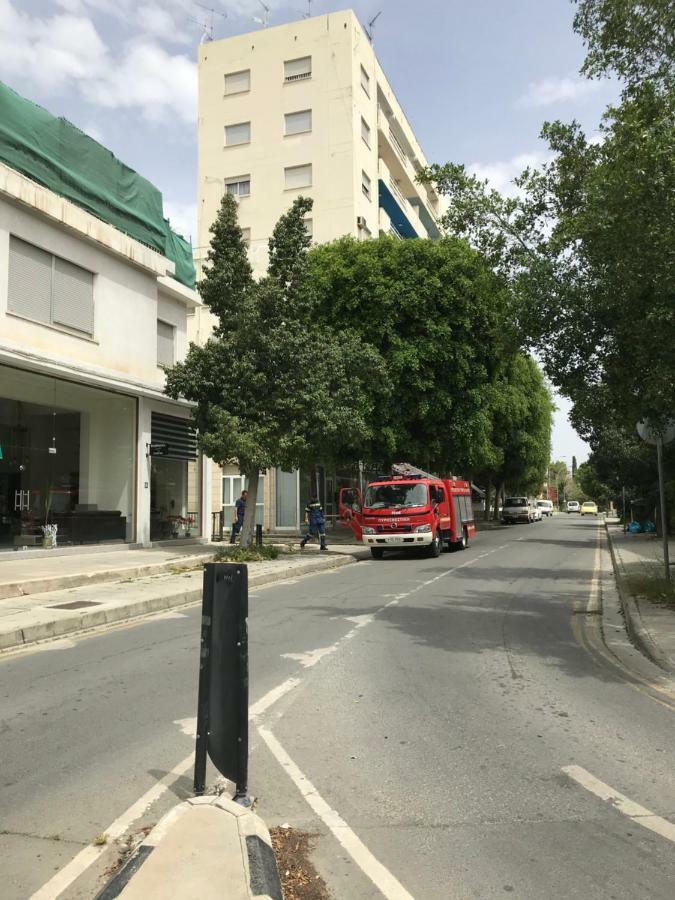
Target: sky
<point>476,78</point>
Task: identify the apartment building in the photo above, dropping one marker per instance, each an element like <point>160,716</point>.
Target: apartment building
<point>304,109</point>
<point>95,292</point>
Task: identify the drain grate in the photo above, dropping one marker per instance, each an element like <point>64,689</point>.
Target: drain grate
<point>74,604</point>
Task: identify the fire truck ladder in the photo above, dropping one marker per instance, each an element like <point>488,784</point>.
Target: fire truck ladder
<point>405,470</point>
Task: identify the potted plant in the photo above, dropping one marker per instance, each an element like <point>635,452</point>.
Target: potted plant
<point>188,521</point>
<point>49,536</point>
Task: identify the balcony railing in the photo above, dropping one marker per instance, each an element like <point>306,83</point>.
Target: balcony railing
<point>396,190</point>
<point>397,145</point>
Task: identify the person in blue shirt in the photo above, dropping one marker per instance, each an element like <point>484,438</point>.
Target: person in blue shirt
<point>239,513</point>
<point>316,522</point>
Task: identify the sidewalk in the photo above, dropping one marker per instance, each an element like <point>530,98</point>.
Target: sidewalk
<point>56,613</point>
<point>638,560</point>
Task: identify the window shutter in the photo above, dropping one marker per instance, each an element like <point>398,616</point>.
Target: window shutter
<point>165,343</point>
<point>365,81</point>
<point>178,434</point>
<point>295,69</point>
<point>237,134</point>
<point>365,131</point>
<point>297,122</point>
<point>73,296</point>
<point>30,281</point>
<point>238,82</point>
<point>298,176</point>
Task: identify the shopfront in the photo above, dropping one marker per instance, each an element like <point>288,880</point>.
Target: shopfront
<point>175,479</point>
<point>67,460</point>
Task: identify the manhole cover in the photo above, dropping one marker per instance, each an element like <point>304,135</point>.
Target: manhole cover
<point>74,604</point>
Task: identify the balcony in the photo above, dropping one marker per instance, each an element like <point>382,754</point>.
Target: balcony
<point>393,153</point>
<point>401,213</point>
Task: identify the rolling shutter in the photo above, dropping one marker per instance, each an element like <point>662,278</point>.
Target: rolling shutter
<point>298,176</point>
<point>178,434</point>
<point>73,296</point>
<point>238,82</point>
<point>165,343</point>
<point>298,122</point>
<point>30,281</point>
<point>296,69</point>
<point>237,134</point>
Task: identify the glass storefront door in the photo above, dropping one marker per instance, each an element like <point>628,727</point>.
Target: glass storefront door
<point>66,460</point>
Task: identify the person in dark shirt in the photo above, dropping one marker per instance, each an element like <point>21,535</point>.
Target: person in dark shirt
<point>316,522</point>
<point>239,513</point>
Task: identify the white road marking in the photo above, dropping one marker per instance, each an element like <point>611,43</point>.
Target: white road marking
<point>638,814</point>
<point>86,857</point>
<point>58,644</point>
<point>361,621</point>
<point>381,877</point>
<point>311,658</point>
<point>187,726</point>
<point>271,697</point>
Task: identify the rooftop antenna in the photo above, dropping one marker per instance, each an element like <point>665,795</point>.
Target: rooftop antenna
<point>263,20</point>
<point>370,30</point>
<point>207,27</point>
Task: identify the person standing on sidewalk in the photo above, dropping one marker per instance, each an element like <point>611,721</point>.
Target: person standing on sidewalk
<point>316,522</point>
<point>239,513</point>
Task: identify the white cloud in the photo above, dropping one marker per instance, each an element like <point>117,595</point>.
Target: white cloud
<point>183,218</point>
<point>550,91</point>
<point>501,173</point>
<point>65,51</point>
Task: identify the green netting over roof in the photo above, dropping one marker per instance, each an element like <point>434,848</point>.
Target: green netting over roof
<point>58,155</point>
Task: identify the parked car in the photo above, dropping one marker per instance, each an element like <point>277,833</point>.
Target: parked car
<point>572,506</point>
<point>589,508</point>
<point>517,509</point>
<point>546,507</point>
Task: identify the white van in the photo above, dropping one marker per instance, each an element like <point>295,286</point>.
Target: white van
<point>546,507</point>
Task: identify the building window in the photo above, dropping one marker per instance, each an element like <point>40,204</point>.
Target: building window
<point>298,122</point>
<point>298,69</point>
<point>239,187</point>
<point>238,134</point>
<point>238,82</point>
<point>298,176</point>
<point>246,236</point>
<point>365,132</point>
<point>49,289</point>
<point>309,227</point>
<point>365,185</point>
<point>233,485</point>
<point>365,81</point>
<point>166,342</point>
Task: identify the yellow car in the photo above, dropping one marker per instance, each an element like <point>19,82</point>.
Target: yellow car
<point>588,508</point>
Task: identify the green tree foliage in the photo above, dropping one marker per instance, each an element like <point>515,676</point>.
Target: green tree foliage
<point>271,387</point>
<point>522,427</point>
<point>434,313</point>
<point>633,38</point>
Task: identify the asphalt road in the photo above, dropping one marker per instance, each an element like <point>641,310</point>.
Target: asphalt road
<point>443,732</point>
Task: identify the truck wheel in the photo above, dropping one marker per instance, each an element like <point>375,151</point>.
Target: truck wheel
<point>376,552</point>
<point>463,542</point>
<point>434,549</point>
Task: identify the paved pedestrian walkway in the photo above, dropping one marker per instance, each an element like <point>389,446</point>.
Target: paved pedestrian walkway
<point>43,615</point>
<point>638,563</point>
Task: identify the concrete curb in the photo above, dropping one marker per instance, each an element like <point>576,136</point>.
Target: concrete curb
<point>87,619</point>
<point>638,633</point>
<point>80,579</point>
<point>206,847</point>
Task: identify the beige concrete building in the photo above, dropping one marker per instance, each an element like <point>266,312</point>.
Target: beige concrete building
<point>304,109</point>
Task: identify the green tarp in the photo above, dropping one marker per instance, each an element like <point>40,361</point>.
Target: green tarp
<point>58,155</point>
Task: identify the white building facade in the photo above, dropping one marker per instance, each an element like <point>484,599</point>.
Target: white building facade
<point>304,109</point>
<point>88,316</point>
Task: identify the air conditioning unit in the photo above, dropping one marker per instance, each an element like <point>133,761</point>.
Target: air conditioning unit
<point>361,222</point>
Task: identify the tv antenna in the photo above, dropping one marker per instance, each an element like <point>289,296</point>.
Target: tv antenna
<point>370,30</point>
<point>208,26</point>
<point>263,20</point>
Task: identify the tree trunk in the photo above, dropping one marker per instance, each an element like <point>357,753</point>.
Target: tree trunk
<point>488,494</point>
<point>248,528</point>
<point>499,496</point>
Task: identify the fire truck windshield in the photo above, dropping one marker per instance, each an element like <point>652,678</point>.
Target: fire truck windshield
<point>395,496</point>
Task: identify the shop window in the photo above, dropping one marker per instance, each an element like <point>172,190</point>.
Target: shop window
<point>175,479</point>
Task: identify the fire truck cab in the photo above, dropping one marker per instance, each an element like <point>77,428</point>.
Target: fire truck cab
<point>410,510</point>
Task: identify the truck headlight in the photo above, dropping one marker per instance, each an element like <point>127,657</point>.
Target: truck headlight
<point>368,530</point>
<point>423,528</point>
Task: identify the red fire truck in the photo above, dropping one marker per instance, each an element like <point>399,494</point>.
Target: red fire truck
<point>410,510</point>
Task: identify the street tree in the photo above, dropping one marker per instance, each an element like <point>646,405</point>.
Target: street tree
<point>435,314</point>
<point>272,387</point>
